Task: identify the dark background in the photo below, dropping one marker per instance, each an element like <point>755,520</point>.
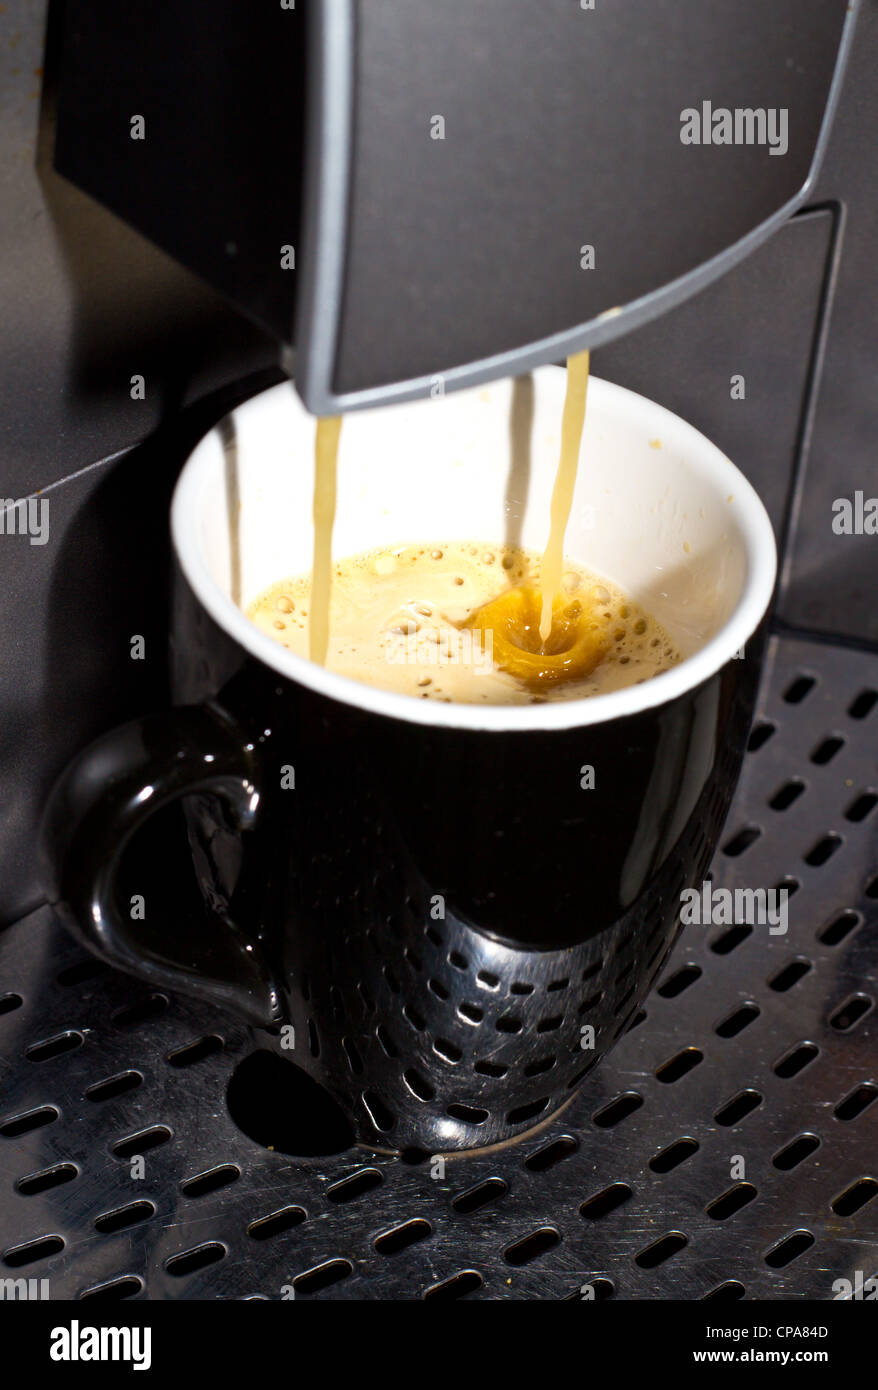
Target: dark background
<point>87,303</point>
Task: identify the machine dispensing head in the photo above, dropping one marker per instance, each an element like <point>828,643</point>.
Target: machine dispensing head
<point>415,196</point>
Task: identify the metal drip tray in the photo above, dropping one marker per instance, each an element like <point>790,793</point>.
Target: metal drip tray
<point>726,1148</point>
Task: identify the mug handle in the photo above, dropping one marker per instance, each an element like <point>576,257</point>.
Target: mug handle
<point>101,801</point>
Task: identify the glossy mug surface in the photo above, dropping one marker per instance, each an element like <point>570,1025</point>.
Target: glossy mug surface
<point>457,918</point>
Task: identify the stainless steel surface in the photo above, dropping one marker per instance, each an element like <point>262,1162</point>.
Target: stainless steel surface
<point>519,1222</point>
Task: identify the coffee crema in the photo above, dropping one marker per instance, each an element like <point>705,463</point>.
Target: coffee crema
<point>460,621</point>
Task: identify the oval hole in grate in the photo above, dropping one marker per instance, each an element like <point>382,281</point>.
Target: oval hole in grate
<point>196,1051</point>
<point>488,980</point>
<point>679,1066</point>
<point>823,850</point>
<point>736,1022</point>
<point>114,1086</point>
<point>223,1175</point>
<point>28,1121</point>
<point>418,1084</point>
<point>729,1292</point>
<point>55,1046</point>
<point>508,1023</point>
<point>550,1024</point>
<point>276,1223</point>
<point>436,987</point>
<point>521,987</point>
<point>737,1197</point>
<point>785,796</point>
<point>841,926</point>
<point>114,1290</point>
<point>388,1045</point>
<point>617,1110</point>
<point>661,1250</point>
<point>861,806</point>
<point>492,1069</point>
<point>855,1197</point>
<point>379,1113</point>
<point>675,1154</point>
<point>470,1114</point>
<point>142,1142</point>
<point>826,750</point>
<point>760,735</point>
<point>592,1001</point>
<point>605,1202</point>
<point>401,1237</point>
<point>141,1011</point>
<point>789,1249</point>
<point>32,1251</point>
<point>474,1198</point>
<point>531,1247</point>
<point>738,1108</point>
<point>540,1065</point>
<point>449,1050</point>
<point>798,689</point>
<point>458,961</point>
<point>853,1104</point>
<point>554,985</point>
<point>741,841</point>
<point>352,1052</point>
<point>593,1291</point>
<point>323,1276</point>
<point>796,1060</point>
<point>470,1012</point>
<point>122,1217</point>
<point>84,970</point>
<point>522,1113</point>
<point>863,704</point>
<point>679,981</point>
<point>458,1286</point>
<point>199,1257</point>
<point>789,975</point>
<point>349,1189</point>
<point>794,1153</point>
<point>727,942</point>
<point>850,1012</point>
<point>9,1003</point>
<point>46,1179</point>
<point>550,1155</point>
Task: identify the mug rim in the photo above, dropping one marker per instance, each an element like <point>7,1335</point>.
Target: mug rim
<point>761,566</point>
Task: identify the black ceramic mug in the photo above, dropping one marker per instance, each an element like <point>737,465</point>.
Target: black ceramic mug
<point>451,911</point>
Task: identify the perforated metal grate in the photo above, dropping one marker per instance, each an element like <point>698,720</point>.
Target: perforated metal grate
<point>754,1047</point>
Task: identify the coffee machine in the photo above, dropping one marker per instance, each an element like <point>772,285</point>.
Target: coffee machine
<point>401,205</point>
<point>400,199</point>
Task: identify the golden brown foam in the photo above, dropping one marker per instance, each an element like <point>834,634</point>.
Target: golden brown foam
<point>459,621</point>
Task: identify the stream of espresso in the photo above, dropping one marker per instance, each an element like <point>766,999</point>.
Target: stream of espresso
<point>325,475</point>
<point>565,483</point>
<point>325,486</point>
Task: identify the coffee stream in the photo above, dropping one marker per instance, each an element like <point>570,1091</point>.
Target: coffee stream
<point>325,475</point>
<point>513,612</point>
<point>565,483</point>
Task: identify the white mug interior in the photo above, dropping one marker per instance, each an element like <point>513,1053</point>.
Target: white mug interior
<point>658,510</point>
